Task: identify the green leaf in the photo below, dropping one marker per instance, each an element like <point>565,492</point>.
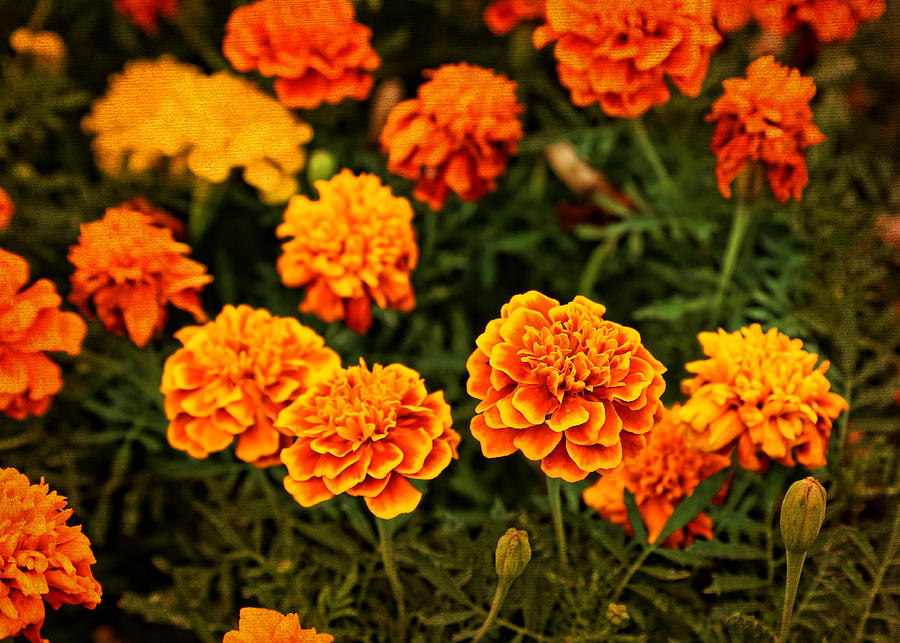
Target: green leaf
<point>697,502</point>
<point>634,517</point>
<point>734,583</point>
<point>732,551</point>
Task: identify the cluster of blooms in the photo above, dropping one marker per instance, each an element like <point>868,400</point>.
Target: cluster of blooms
<point>268,626</point>
<point>167,110</point>
<point>353,246</point>
<point>501,16</point>
<point>42,559</point>
<point>830,20</point>
<point>146,13</point>
<point>7,209</point>
<point>314,48</point>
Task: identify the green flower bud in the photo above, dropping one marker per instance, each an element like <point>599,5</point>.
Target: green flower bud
<point>617,614</point>
<point>321,166</point>
<point>513,554</point>
<point>802,513</point>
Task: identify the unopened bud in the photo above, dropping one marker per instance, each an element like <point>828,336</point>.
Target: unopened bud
<point>321,166</point>
<point>617,614</point>
<point>513,554</point>
<point>802,514</point>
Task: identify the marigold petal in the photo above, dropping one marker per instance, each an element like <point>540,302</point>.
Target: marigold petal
<point>535,403</point>
<point>398,497</point>
<point>307,492</point>
<point>571,412</point>
<point>495,443</point>
<point>559,465</point>
<point>537,442</point>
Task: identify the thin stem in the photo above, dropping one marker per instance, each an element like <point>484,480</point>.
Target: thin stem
<point>794,568</point>
<point>189,29</point>
<point>554,488</point>
<point>39,15</point>
<point>503,586</point>
<point>646,145</point>
<point>387,557</point>
<point>739,225</point>
<point>888,560</point>
<point>636,565</point>
<point>205,199</point>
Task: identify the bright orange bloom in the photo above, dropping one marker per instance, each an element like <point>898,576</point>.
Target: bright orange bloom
<point>664,474</point>
<point>501,16</point>
<point>127,270</point>
<point>146,13</point>
<point>732,15</point>
<point>42,559</point>
<point>232,378</point>
<point>830,20</point>
<point>456,134</point>
<point>314,48</point>
<point>364,433</point>
<point>30,324</point>
<point>618,52</point>
<point>353,246</point>
<point>7,209</point>
<point>259,625</point>
<point>564,386</point>
<point>762,393</point>
<point>765,117</point>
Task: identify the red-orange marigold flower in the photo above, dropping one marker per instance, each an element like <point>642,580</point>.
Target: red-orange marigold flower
<point>501,16</point>
<point>830,20</point>
<point>7,209</point>
<point>456,134</point>
<point>31,324</point>
<point>233,376</point>
<point>762,393</point>
<point>146,13</point>
<point>353,246</point>
<point>564,386</point>
<point>662,475</point>
<point>364,433</point>
<point>618,52</point>
<point>765,117</point>
<point>42,559</point>
<point>315,49</point>
<point>128,268</point>
<point>259,625</point>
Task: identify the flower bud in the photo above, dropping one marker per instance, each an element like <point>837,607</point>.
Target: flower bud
<point>617,614</point>
<point>513,554</point>
<point>802,513</point>
<point>321,166</point>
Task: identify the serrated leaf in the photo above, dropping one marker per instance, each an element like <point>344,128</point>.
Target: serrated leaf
<point>732,551</point>
<point>634,518</point>
<point>695,503</point>
<point>734,583</point>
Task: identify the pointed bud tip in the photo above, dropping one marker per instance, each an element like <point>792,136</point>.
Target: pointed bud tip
<point>802,514</point>
<point>513,553</point>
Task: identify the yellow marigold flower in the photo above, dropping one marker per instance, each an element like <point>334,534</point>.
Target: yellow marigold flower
<point>355,245</point>
<point>762,393</point>
<point>164,110</point>
<point>47,47</point>
<point>259,625</point>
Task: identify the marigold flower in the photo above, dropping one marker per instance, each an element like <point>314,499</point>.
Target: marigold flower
<point>364,433</point>
<point>501,16</point>
<point>7,209</point>
<point>166,110</point>
<point>259,625</point>
<point>618,52</point>
<point>47,47</point>
<point>146,13</point>
<point>564,386</point>
<point>762,393</point>
<point>456,134</point>
<point>31,324</point>
<point>233,376</point>
<point>314,48</point>
<point>355,245</point>
<point>127,269</point>
<point>830,20</point>
<point>42,559</point>
<point>662,475</point>
<point>765,117</point>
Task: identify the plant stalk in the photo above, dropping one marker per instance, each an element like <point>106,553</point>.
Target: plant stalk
<point>794,568</point>
<point>387,558</point>
<point>739,225</point>
<point>554,488</point>
<point>503,586</point>
<point>649,150</point>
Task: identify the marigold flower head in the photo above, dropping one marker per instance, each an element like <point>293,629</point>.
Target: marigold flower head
<point>353,246</point>
<point>42,559</point>
<point>762,393</point>
<point>233,376</point>
<point>618,52</point>
<point>166,110</point>
<point>765,117</point>
<point>660,477</point>
<point>259,625</point>
<point>314,48</point>
<point>501,16</point>
<point>364,433</point>
<point>127,270</point>
<point>47,47</point>
<point>830,20</point>
<point>7,209</point>
<point>456,134</point>
<point>564,386</point>
<point>31,324</point>
<point>146,13</point>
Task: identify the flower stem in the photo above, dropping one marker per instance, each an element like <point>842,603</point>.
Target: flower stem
<point>794,568</point>
<point>503,586</point>
<point>554,486</point>
<point>739,225</point>
<point>39,15</point>
<point>636,565</point>
<point>646,145</point>
<point>205,200</point>
<point>387,557</point>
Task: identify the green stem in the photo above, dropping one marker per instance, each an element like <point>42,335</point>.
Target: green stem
<point>636,565</point>
<point>39,15</point>
<point>739,225</point>
<point>554,488</point>
<point>646,145</point>
<point>503,586</point>
<point>205,200</point>
<point>387,557</point>
<point>794,568</point>
<point>189,29</point>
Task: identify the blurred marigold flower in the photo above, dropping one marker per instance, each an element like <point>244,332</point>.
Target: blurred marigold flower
<point>47,47</point>
<point>762,393</point>
<point>43,558</point>
<point>30,324</point>
<point>456,134</point>
<point>364,433</point>
<point>830,20</point>
<point>259,625</point>
<point>662,475</point>
<point>355,245</point>
<point>564,386</point>
<point>732,15</point>
<point>501,16</point>
<point>128,269</point>
<point>618,52</point>
<point>146,13</point>
<point>765,117</point>
<point>315,49</point>
<point>233,376</point>
<point>166,110</point>
<point>7,209</point>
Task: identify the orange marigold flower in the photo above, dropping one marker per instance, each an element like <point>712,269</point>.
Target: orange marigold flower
<point>355,245</point>
<point>732,15</point>
<point>234,375</point>
<point>830,20</point>
<point>31,324</point>
<point>765,117</point>
<point>618,52</point>
<point>7,209</point>
<point>763,393</point>
<point>146,13</point>
<point>456,134</point>
<point>127,269</point>
<point>662,475</point>
<point>364,433</point>
<point>564,386</point>
<point>314,48</point>
<point>42,559</point>
<point>259,625</point>
<point>501,16</point>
